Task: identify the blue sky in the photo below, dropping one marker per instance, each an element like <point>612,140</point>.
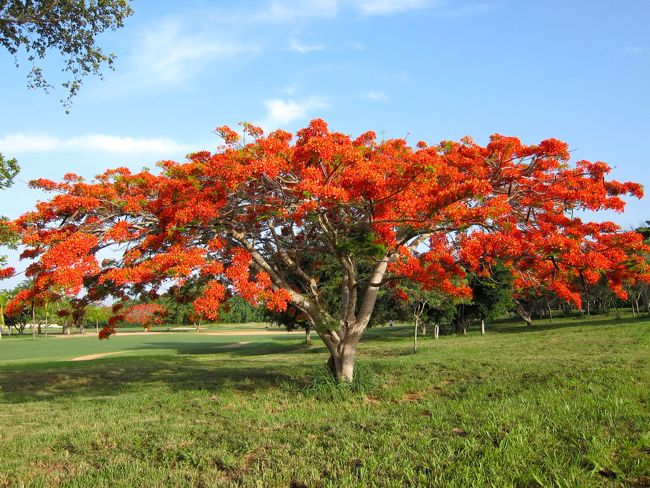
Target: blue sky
<point>433,70</point>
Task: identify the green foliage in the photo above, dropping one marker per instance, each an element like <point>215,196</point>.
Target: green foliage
<point>66,27</point>
<point>8,170</point>
<point>389,308</point>
<point>492,295</point>
<point>98,315</point>
<point>236,310</point>
<point>362,243</point>
<point>644,230</point>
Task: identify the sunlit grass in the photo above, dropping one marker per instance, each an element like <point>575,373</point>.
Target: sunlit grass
<point>561,404</point>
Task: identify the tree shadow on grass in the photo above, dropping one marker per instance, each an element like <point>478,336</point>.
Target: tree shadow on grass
<point>114,375</point>
<point>564,323</point>
<point>239,348</point>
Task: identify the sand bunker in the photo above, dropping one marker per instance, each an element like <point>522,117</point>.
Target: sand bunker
<point>90,357</point>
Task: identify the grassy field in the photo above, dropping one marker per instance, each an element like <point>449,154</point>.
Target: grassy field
<point>561,404</point>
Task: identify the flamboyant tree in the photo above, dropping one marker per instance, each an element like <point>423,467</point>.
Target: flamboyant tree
<point>261,216</point>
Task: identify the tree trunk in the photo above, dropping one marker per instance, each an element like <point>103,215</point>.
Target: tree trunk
<point>523,314</point>
<point>436,331</point>
<point>482,327</point>
<point>423,328</point>
<point>82,329</point>
<point>550,311</point>
<point>415,334</point>
<point>342,355</point>
<point>342,365</point>
<point>307,334</point>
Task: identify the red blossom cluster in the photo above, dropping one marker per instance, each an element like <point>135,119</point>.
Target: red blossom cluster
<point>245,219</point>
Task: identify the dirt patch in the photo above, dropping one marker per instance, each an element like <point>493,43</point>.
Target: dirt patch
<point>412,397</point>
<point>371,400</point>
<point>90,357</point>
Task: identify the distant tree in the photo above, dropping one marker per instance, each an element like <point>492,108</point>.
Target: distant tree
<point>640,292</point>
<point>644,230</point>
<point>19,310</point>
<point>492,293</point>
<point>236,310</point>
<point>99,315</point>
<point>291,318</point>
<point>144,314</point>
<point>8,170</point>
<point>68,27</point>
<point>4,298</point>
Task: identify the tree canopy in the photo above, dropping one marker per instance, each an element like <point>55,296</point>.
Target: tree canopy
<point>69,27</point>
<point>8,170</point>
<point>262,215</point>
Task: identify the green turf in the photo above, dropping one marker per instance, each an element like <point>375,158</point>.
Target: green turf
<point>41,349</point>
<point>561,404</point>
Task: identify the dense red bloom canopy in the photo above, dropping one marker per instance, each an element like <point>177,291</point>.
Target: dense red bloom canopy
<point>255,218</point>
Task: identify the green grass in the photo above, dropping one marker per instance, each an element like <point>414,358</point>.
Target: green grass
<point>562,404</point>
<point>17,348</point>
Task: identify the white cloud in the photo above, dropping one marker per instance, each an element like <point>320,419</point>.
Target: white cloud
<point>286,11</point>
<point>167,56</point>
<point>387,7</point>
<point>290,11</point>
<point>301,48</point>
<point>282,112</point>
<point>377,95</point>
<point>355,45</point>
<point>14,143</point>
<point>28,143</point>
<point>634,50</point>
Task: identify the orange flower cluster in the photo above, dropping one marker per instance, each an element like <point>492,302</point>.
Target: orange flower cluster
<point>255,216</point>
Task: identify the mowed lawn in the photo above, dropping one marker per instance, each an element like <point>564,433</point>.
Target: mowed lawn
<point>559,404</point>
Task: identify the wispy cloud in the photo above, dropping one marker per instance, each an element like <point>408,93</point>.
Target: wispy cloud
<point>635,50</point>
<point>292,10</point>
<point>388,7</point>
<point>355,45</point>
<point>297,46</point>
<point>287,11</point>
<point>28,143</point>
<point>376,95</point>
<point>168,55</point>
<point>470,8</point>
<point>282,112</point>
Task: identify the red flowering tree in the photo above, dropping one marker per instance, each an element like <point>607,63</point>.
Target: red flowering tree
<point>260,216</point>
